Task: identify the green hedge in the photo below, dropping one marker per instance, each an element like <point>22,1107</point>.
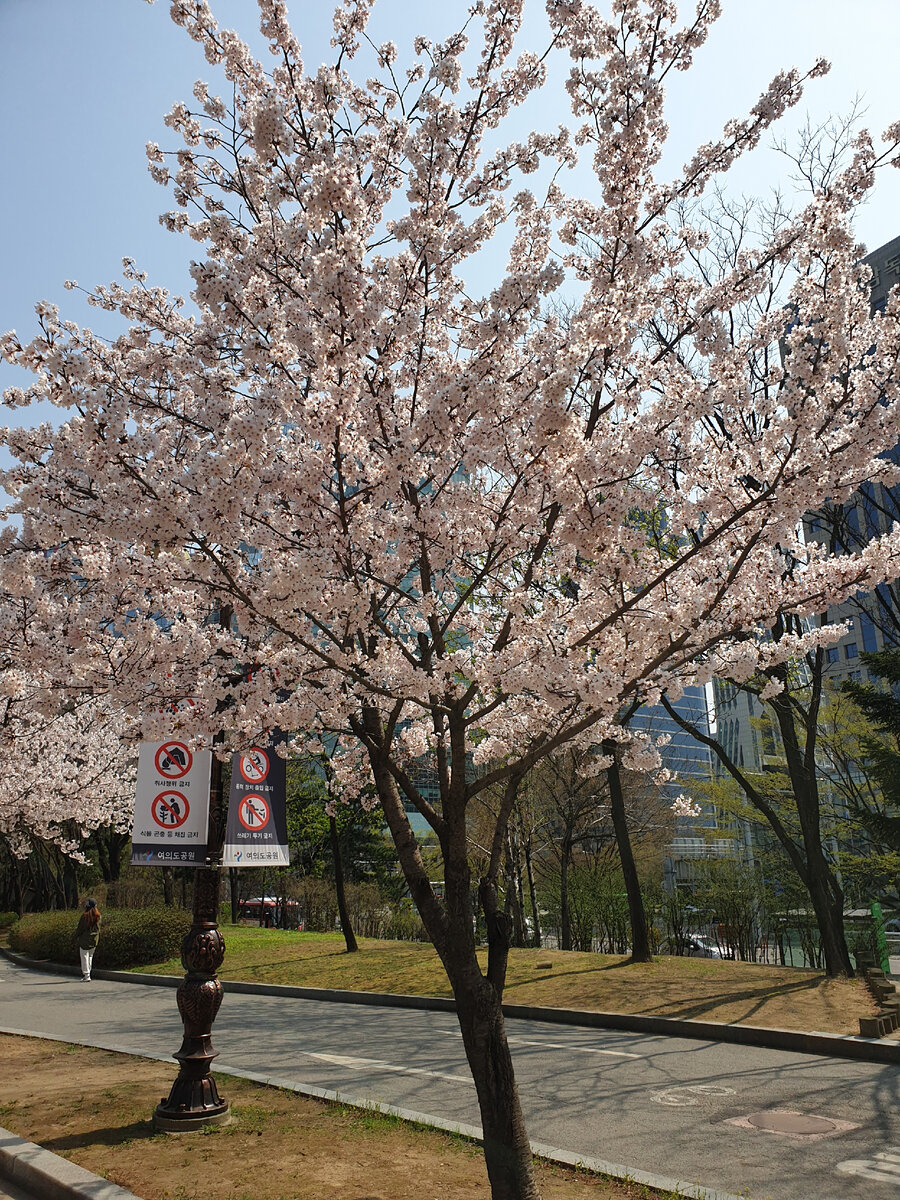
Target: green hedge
<point>7,918</point>
<point>129,937</point>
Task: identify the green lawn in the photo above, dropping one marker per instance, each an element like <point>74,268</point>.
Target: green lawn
<point>694,988</point>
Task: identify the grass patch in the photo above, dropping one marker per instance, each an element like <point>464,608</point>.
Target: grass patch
<point>280,1146</point>
<point>688,988</point>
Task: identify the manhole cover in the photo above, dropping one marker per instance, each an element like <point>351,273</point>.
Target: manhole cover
<point>788,1122</point>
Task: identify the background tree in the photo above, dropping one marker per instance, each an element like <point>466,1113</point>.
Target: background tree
<point>792,693</point>
<point>571,788</point>
<point>877,808</point>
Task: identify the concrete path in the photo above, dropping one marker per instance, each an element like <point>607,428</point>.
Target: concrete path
<point>681,1109</point>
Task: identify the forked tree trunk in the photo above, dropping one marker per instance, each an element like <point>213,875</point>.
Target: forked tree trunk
<point>451,928</point>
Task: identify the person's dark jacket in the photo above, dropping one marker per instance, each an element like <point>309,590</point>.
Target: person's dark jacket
<point>88,932</point>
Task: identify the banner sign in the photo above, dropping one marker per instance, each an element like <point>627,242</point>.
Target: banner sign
<point>171,807</point>
<point>256,834</point>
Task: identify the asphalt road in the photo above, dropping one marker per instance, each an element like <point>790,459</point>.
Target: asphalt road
<point>9,1191</point>
<point>675,1107</point>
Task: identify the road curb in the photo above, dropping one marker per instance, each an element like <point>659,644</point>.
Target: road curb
<point>553,1154</point>
<point>49,1177</point>
<point>831,1045</point>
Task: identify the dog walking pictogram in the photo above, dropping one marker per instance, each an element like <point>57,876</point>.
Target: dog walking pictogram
<point>170,809</point>
<point>253,812</point>
<point>173,760</point>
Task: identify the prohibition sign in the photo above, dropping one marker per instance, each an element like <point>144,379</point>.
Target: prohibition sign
<point>170,809</point>
<point>173,760</point>
<point>253,812</point>
<point>254,766</point>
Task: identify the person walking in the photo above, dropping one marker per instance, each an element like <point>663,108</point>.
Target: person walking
<point>88,935</point>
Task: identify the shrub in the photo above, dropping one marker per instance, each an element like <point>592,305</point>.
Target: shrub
<point>128,937</point>
<point>7,919</point>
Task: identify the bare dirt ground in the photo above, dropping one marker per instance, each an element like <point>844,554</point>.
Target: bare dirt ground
<point>94,1108</point>
<point>699,989</point>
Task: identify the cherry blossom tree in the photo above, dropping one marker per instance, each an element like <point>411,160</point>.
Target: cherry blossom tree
<point>66,772</point>
<point>452,528</point>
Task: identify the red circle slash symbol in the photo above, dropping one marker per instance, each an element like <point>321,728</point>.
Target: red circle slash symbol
<point>173,760</point>
<point>170,809</point>
<point>253,812</point>
<point>254,766</point>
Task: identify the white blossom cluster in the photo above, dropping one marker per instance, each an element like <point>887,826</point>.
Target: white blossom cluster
<point>67,770</point>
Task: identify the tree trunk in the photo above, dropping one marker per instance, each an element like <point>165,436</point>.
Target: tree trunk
<point>827,900</point>
<point>451,928</point>
<point>825,892</point>
<point>102,855</point>
<point>640,936</point>
<point>343,911</point>
<point>168,882</point>
<point>507,1151</point>
<point>70,883</point>
<point>235,899</point>
<point>514,905</point>
<point>20,891</point>
<point>118,842</point>
<point>565,921</point>
<point>532,893</point>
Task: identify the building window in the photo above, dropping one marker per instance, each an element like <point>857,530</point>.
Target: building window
<point>833,654</point>
<point>851,651</point>
<point>868,633</point>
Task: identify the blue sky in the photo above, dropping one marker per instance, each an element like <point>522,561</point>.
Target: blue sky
<point>84,84</point>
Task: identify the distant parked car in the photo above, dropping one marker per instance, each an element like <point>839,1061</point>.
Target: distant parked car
<point>696,945</point>
<point>700,946</point>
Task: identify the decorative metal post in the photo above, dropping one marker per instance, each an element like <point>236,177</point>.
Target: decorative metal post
<point>194,1100</point>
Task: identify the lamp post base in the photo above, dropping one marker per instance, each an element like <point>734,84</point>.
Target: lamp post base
<point>166,1123</point>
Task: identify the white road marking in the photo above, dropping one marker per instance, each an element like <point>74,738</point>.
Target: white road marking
<point>376,1064</point>
<point>883,1167</point>
<point>686,1097</point>
<point>514,1041</point>
<point>580,1049</point>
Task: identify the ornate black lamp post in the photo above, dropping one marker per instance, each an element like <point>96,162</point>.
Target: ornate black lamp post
<point>194,1100</point>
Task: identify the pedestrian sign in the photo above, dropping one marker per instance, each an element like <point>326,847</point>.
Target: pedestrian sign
<point>171,808</point>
